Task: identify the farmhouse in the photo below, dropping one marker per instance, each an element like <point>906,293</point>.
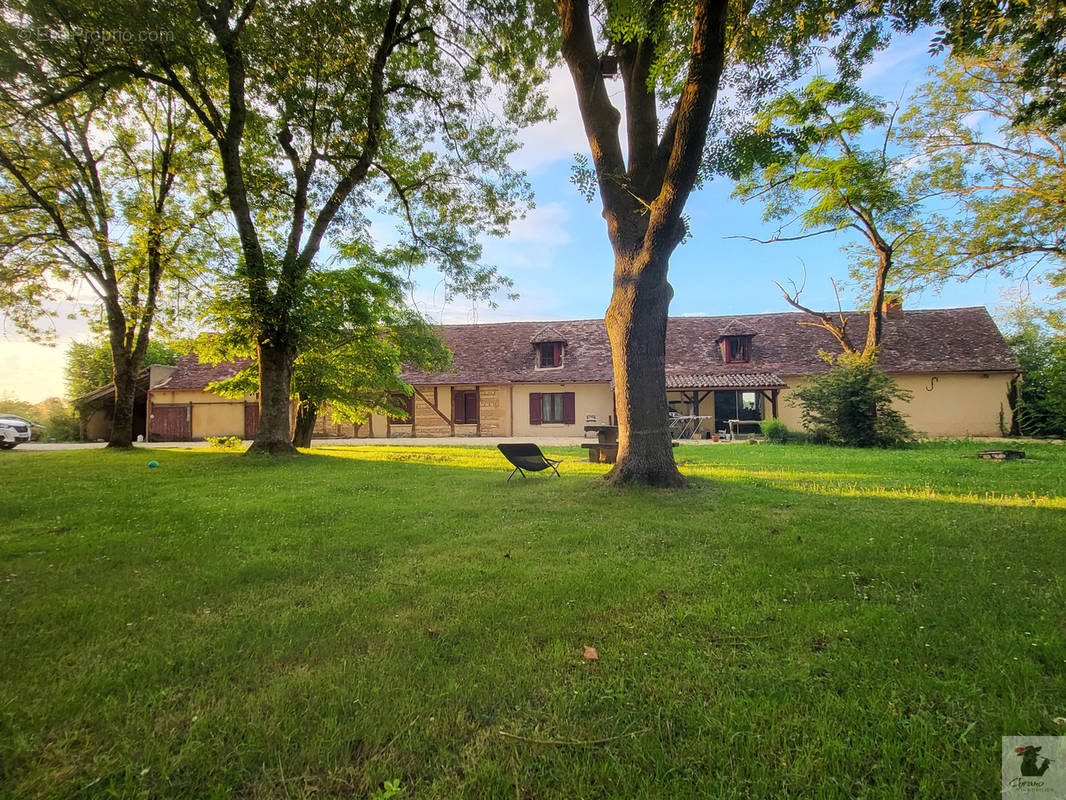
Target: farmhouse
<point>549,379</point>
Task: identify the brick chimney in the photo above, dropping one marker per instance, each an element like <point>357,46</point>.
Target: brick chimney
<point>892,307</point>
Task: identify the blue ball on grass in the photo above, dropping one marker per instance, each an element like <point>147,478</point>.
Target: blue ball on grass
<point>153,463</point>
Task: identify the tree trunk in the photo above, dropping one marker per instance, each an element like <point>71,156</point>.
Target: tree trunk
<point>125,379</point>
<point>875,321</point>
<point>275,379</point>
<point>306,414</point>
<point>636,325</point>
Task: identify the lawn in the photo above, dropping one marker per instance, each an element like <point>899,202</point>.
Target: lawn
<point>802,622</point>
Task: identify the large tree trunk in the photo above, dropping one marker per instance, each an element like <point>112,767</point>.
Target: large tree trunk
<point>643,203</point>
<point>125,379</point>
<point>306,414</point>
<point>636,325</point>
<point>275,379</point>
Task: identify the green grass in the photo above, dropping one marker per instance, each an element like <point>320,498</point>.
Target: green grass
<point>801,623</point>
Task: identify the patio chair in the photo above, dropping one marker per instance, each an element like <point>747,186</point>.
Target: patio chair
<point>527,457</point>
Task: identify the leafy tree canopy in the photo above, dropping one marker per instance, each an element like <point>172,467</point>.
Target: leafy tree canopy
<point>1035,29</point>
<point>323,113</point>
<point>357,334</point>
<point>824,159</point>
<point>1002,181</point>
<point>1039,401</point>
<point>87,365</point>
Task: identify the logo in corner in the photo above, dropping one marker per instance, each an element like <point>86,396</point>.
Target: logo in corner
<point>1032,767</point>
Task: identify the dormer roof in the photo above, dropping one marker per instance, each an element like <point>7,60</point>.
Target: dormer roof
<point>548,334</point>
<point>736,328</point>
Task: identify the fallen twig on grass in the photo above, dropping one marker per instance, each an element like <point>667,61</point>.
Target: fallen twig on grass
<point>572,742</point>
<point>392,741</point>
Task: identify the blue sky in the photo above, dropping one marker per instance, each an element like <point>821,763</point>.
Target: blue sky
<point>561,262</point>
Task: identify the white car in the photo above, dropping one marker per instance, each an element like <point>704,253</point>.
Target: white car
<point>13,430</point>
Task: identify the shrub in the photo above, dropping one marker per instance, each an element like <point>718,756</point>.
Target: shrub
<point>62,425</point>
<point>775,431</point>
<point>225,442</point>
<point>852,405</point>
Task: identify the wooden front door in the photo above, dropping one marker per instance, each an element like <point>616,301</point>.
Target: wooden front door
<point>171,423</point>
<point>251,420</point>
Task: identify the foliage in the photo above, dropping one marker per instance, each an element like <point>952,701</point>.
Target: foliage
<point>356,335</point>
<point>1002,181</point>
<point>87,365</point>
<point>1040,403</point>
<point>389,789</point>
<point>677,59</point>
<point>1036,29</point>
<point>52,418</point>
<point>775,431</point>
<point>366,626</point>
<point>99,193</point>
<point>808,161</point>
<point>325,113</point>
<point>852,405</point>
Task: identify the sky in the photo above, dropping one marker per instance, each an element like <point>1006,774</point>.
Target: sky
<point>561,261</point>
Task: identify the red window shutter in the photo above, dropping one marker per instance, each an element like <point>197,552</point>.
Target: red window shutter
<point>471,407</point>
<point>458,408</point>
<point>569,417</point>
<point>534,408</point>
<point>557,355</point>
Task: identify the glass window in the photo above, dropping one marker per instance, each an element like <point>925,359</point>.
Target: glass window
<point>551,407</point>
<point>738,349</point>
<point>550,354</point>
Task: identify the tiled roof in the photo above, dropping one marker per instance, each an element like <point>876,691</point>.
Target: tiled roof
<point>737,328</point>
<point>191,374</point>
<point>740,380</point>
<point>920,341</point>
<point>547,334</point>
<point>503,352</point>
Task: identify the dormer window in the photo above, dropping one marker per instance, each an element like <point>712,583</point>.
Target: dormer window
<point>735,342</point>
<point>549,354</point>
<point>737,349</point>
<point>548,346</point>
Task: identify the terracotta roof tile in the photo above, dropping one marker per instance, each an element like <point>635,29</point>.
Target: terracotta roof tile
<point>737,328</point>
<point>740,380</point>
<point>191,374</point>
<point>548,334</point>
<point>923,341</point>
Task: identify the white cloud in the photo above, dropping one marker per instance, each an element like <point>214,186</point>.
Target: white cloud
<point>544,225</point>
<point>907,58</point>
<point>556,140</point>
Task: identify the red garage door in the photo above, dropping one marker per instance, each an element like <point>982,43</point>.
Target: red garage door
<point>251,420</point>
<point>171,423</point>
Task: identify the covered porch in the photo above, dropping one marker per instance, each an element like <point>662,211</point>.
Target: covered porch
<point>725,404</point>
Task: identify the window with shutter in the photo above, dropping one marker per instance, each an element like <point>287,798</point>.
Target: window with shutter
<point>535,408</point>
<point>551,408</point>
<point>464,408</point>
<point>737,349</point>
<point>549,354</point>
<point>568,408</point>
